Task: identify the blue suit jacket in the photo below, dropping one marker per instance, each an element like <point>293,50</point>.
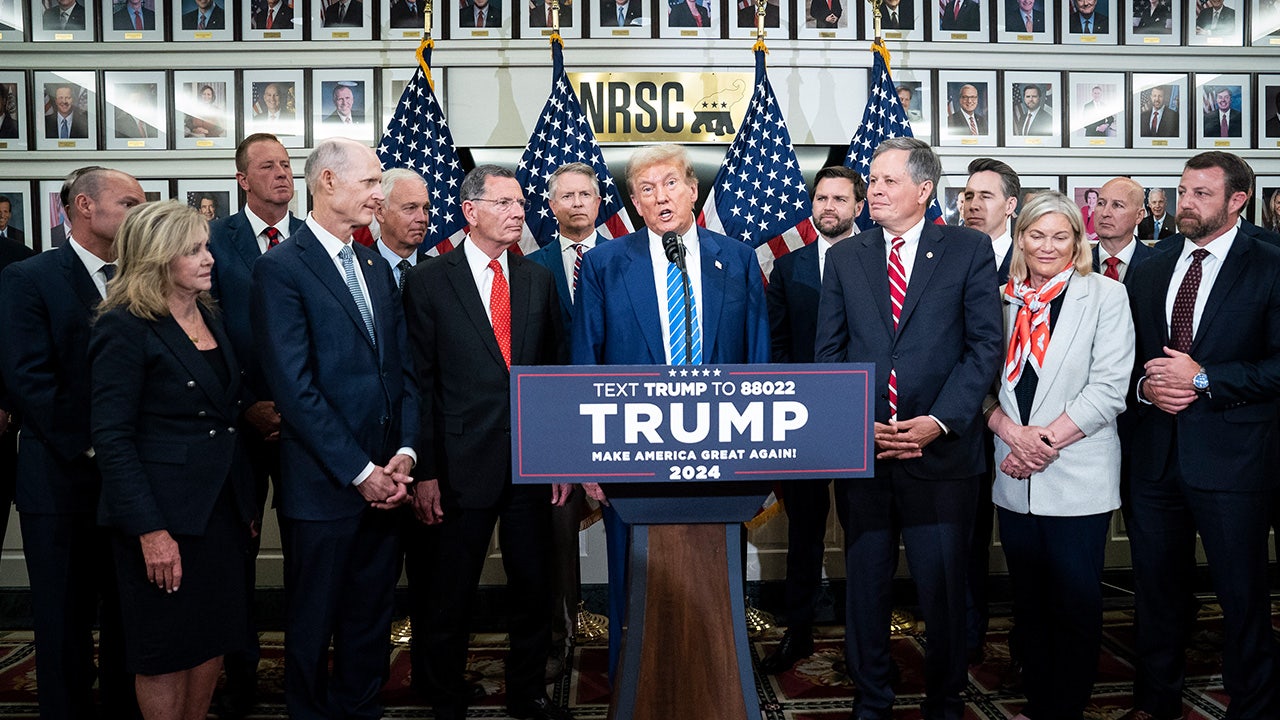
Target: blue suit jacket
<point>792,297</point>
<point>948,345</point>
<point>616,320</point>
<point>1238,342</point>
<point>548,256</point>
<point>47,304</point>
<point>1141,252</point>
<point>343,402</point>
<point>235,249</point>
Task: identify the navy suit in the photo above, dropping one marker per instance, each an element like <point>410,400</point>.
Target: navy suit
<point>1147,227</point>
<point>11,251</point>
<point>1141,252</point>
<point>1210,468</point>
<point>549,256</point>
<point>617,323</point>
<point>344,403</point>
<point>48,304</point>
<point>946,350</point>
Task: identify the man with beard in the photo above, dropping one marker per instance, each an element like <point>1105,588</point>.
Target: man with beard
<point>1205,439</point>
<point>792,296</point>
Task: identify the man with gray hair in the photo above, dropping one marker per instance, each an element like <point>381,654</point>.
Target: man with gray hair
<point>402,216</point>
<point>931,325</point>
<point>332,346</point>
<point>1158,223</point>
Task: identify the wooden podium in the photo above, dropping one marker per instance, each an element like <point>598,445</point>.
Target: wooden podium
<point>685,651</point>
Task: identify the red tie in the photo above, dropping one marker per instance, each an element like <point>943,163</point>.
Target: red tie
<point>1181,325</point>
<point>897,293</point>
<point>270,18</point>
<point>273,237</point>
<point>955,15</point>
<point>500,311</point>
<point>1155,117</point>
<point>137,21</point>
<point>697,16</point>
<point>973,127</point>
<point>577,266</point>
<point>1113,268</point>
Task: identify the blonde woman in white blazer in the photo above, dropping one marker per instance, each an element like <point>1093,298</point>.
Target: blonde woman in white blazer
<point>1070,345</point>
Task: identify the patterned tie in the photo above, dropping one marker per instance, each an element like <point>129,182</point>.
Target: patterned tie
<point>500,311</point>
<point>1223,124</point>
<point>273,237</point>
<point>675,318</point>
<point>479,18</point>
<point>622,15</point>
<point>404,266</point>
<point>1088,26</point>
<point>1181,325</point>
<point>1026,19</point>
<point>65,131</point>
<point>353,284</point>
<point>203,18</point>
<point>1113,268</point>
<point>1156,234</point>
<point>1155,120</point>
<point>137,20</point>
<point>897,293</point>
<point>973,127</point>
<point>577,266</point>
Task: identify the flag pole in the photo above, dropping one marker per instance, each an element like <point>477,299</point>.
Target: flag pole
<point>760,7</point>
<point>427,43</point>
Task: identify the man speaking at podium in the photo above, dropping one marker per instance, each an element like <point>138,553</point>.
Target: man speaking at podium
<point>630,308</point>
<point>918,300</point>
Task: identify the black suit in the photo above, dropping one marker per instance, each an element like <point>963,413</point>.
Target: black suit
<point>131,126</point>
<point>8,126</point>
<point>79,129</point>
<point>957,123</point>
<point>1100,24</point>
<point>1226,22</point>
<point>747,16</point>
<point>609,13</point>
<point>1166,126</point>
<point>353,17</point>
<point>466,445</point>
<point>1147,227</point>
<point>819,10</point>
<point>681,16</point>
<point>1041,124</point>
<point>1014,22</point>
<point>53,19</point>
<point>283,19</point>
<point>1210,468</point>
<point>538,14</point>
<point>11,251</point>
<point>1273,126</point>
<point>492,17</point>
<point>216,19</point>
<point>947,350</point>
<point>1213,124</point>
<point>906,16</point>
<point>404,17</point>
<point>1152,22</point>
<point>123,19</point>
<point>969,17</point>
<point>47,305</point>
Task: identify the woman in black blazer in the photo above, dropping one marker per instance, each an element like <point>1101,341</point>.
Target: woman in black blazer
<point>176,487</point>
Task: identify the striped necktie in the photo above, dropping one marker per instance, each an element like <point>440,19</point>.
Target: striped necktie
<point>676,311</point>
<point>353,284</point>
<point>897,293</point>
<point>577,266</point>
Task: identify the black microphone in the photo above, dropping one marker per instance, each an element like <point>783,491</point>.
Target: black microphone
<point>674,249</point>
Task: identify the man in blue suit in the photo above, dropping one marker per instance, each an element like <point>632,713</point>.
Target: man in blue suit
<point>919,301</point>
<point>792,298</point>
<point>47,305</point>
<point>1116,216</point>
<point>1205,439</point>
<point>264,173</point>
<point>402,220</point>
<point>620,311</point>
<point>333,349</point>
<point>573,194</point>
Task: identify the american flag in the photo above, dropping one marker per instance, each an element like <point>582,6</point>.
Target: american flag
<point>417,137</point>
<point>883,118</point>
<point>759,195</point>
<point>561,136</point>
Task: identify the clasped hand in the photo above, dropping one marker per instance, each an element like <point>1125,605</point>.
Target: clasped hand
<point>388,486</point>
<point>1168,383</point>
<point>1031,449</point>
<point>904,439</point>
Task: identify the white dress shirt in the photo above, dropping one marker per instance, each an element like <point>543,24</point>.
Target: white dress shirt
<point>569,256</point>
<point>93,264</point>
<point>693,263</point>
<point>1125,255</point>
<point>1001,247</point>
<point>480,272</point>
<point>258,225</point>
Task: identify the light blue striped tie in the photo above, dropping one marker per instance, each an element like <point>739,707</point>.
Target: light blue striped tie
<point>675,318</point>
<point>349,267</point>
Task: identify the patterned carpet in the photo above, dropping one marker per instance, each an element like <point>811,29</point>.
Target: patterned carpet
<point>814,690</point>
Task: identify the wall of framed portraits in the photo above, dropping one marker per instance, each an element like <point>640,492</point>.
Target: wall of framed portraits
<point>1069,92</point>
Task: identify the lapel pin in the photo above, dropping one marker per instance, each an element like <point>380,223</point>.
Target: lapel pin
<point>370,262</point>
<point>719,266</point>
<point>929,255</point>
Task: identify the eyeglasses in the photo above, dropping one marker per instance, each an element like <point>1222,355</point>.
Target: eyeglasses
<point>505,204</point>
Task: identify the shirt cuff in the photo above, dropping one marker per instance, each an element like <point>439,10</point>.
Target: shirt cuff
<point>945,430</point>
<point>364,475</point>
<point>412,455</point>
<point>1138,391</point>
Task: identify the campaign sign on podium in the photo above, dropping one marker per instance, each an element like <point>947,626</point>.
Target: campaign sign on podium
<point>685,454</point>
<point>677,424</point>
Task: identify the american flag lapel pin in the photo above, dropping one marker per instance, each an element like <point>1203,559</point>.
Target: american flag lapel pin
<point>719,266</point>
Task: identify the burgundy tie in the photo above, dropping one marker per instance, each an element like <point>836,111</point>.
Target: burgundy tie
<point>1223,124</point>
<point>500,311</point>
<point>1113,268</point>
<point>1181,324</point>
<point>577,266</point>
<point>973,127</point>
<point>273,237</point>
<point>897,293</point>
<point>1155,119</point>
<point>137,21</point>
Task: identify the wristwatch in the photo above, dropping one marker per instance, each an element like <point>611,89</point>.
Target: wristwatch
<point>1200,381</point>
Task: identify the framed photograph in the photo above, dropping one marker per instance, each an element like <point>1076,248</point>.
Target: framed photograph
<point>1025,21</point>
<point>12,21</point>
<point>1226,111</point>
<point>1032,184</point>
<point>899,20</point>
<point>1264,22</point>
<point>1160,200</point>
<point>273,103</point>
<point>826,19</point>
<point>53,217</point>
<point>1154,22</point>
<point>1084,192</point>
<point>1216,22</point>
<point>341,20</point>
<point>1033,115</point>
<point>960,20</point>
<point>535,19</point>
<point>480,19</point>
<point>777,19</point>
<point>203,20</point>
<point>15,212</point>
<point>1097,114</point>
<point>402,19</point>
<point>205,105</point>
<point>1268,111</point>
<point>14,125</point>
<point>63,20</point>
<point>1089,22</point>
<point>137,110</point>
<point>950,196</point>
<point>689,18</point>
<point>300,205</point>
<point>133,20</point>
<point>68,104</point>
<point>966,101</point>
<point>213,198</point>
<point>343,104</point>
<point>272,20</point>
<point>155,190</point>
<point>620,18</point>
<point>915,92</point>
<point>1268,202</point>
<point>1159,115</point>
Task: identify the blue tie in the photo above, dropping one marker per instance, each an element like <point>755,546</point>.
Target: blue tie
<point>349,267</point>
<point>675,318</point>
<point>65,132</point>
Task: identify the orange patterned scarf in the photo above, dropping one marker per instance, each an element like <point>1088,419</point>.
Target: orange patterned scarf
<point>1030,338</point>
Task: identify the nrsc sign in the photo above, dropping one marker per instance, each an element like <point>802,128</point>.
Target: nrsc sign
<point>651,107</point>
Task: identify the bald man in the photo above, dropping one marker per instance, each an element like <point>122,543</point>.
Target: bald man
<point>1115,217</point>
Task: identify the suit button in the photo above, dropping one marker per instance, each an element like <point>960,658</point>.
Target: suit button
<point>231,430</point>
<point>191,383</point>
<point>202,414</point>
<point>213,433</point>
<point>895,356</point>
